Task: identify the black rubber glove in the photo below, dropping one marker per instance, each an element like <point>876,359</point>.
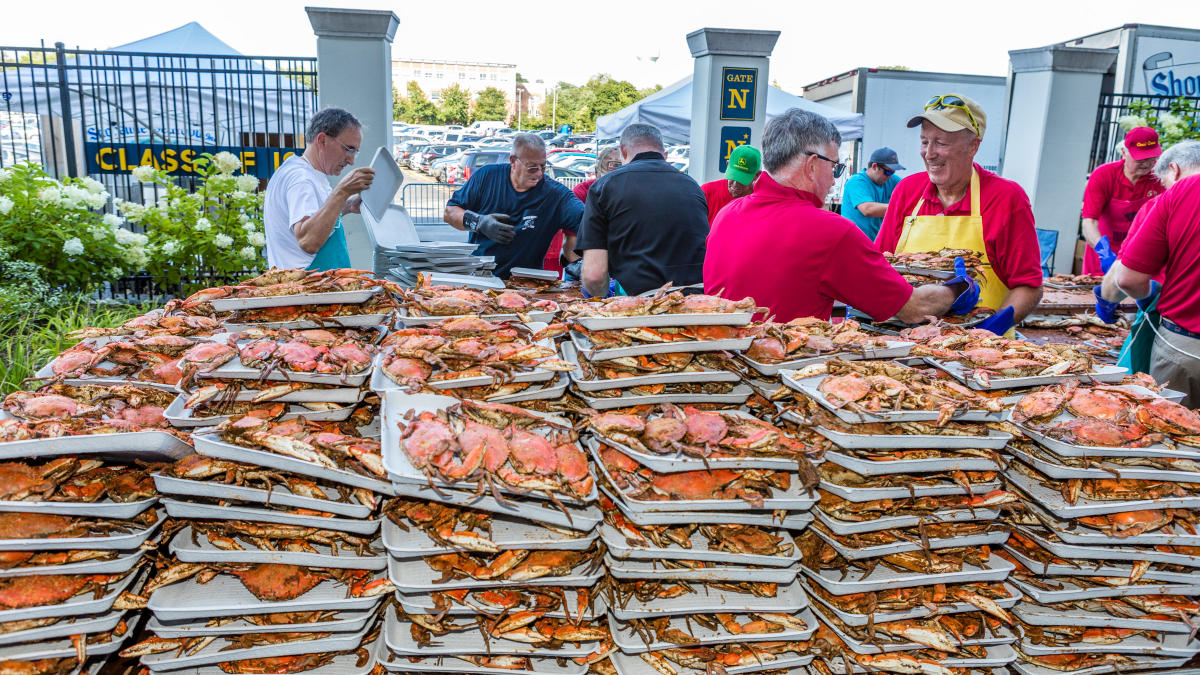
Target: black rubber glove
<point>495,226</point>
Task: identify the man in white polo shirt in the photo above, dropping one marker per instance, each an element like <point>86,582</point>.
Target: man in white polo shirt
<point>302,215</point>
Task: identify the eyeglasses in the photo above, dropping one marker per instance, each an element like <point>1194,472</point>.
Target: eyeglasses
<point>531,167</point>
<point>951,101</point>
<point>350,150</point>
<point>612,165</point>
<point>838,167</point>
<point>887,170</point>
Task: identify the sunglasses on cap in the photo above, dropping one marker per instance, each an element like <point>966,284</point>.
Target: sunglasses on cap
<point>952,101</point>
<point>838,167</point>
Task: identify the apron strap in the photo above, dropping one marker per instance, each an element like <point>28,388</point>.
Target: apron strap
<point>974,192</point>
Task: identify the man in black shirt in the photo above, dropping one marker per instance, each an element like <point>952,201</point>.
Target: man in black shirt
<point>645,223</point>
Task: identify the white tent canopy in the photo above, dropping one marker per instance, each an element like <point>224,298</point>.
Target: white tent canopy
<point>670,109</point>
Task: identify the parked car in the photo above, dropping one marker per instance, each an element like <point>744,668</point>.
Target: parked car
<point>408,149</point>
<point>557,172</point>
<point>559,158</point>
<point>545,134</point>
<point>492,142</point>
<point>473,159</point>
<point>423,158</point>
<point>439,166</point>
<point>584,163</point>
<point>568,140</point>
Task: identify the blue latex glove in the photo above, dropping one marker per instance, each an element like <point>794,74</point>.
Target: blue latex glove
<point>1107,257</point>
<point>1107,311</point>
<point>1145,302</point>
<point>998,323</point>
<point>966,300</point>
<point>612,290</point>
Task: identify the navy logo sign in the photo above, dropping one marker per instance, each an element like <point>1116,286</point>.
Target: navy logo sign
<point>731,137</point>
<point>737,93</point>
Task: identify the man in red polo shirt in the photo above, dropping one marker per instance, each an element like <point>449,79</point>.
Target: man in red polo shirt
<point>745,163</point>
<point>1169,241</point>
<point>778,246</point>
<point>1114,193</point>
<point>955,203</point>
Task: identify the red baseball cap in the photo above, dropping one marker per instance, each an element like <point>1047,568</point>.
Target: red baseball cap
<point>1142,143</point>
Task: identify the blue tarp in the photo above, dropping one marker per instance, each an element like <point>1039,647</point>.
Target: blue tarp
<point>670,109</point>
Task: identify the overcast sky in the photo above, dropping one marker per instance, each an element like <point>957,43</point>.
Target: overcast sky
<point>571,41</point>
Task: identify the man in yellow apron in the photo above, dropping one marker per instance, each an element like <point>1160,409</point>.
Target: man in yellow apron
<point>302,214</point>
<point>958,204</point>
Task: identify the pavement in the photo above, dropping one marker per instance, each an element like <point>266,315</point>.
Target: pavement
<point>425,202</point>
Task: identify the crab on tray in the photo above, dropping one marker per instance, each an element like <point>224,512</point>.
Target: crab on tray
<point>468,347</point>
<point>1109,489</point>
<point>966,481</point>
<point>451,526</point>
<point>842,509</point>
<point>278,283</point>
<point>43,590</point>
<point>426,299</point>
<point>238,480</point>
<point>806,337</point>
<point>499,445</point>
<point>643,335</point>
<point>873,387</point>
<point>923,600</point>
<point>817,554</point>
<point>94,408</point>
<point>528,628</point>
<point>986,358</point>
<point>536,601</point>
<point>513,566</point>
<point>667,429</point>
<point>313,316</point>
<point>664,301</point>
<point>728,539</point>
<point>74,479</point>
<point>716,628</point>
<point>963,634</point>
<point>153,359</point>
<point>272,582</point>
<point>1107,416</point>
<point>942,260</point>
<point>335,351</point>
<point>780,654</point>
<point>321,443</point>
<point>655,364</point>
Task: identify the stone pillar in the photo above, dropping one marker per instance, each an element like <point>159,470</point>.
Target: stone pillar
<point>354,72</point>
<point>1052,105</point>
<point>729,94</point>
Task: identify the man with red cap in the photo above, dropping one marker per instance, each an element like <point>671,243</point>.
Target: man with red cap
<point>1115,191</point>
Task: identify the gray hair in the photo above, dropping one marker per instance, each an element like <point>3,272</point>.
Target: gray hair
<point>1185,155</point>
<point>640,134</point>
<point>331,122</point>
<point>532,141</point>
<point>794,132</point>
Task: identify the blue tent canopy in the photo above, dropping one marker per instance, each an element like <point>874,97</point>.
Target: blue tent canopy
<point>670,109</point>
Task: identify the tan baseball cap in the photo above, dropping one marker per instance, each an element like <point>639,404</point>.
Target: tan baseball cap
<point>953,112</point>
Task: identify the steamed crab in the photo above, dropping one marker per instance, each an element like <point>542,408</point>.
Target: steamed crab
<point>807,336</point>
<point>427,299</point>
<point>639,482</point>
<point>153,358</point>
<point>136,405</point>
<point>307,441</point>
<point>664,301</point>
<point>885,386</point>
<point>513,565</point>
<point>319,350</point>
<point>271,582</point>
<point>277,282</point>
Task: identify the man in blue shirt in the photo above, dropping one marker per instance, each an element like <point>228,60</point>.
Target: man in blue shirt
<point>512,210</point>
<point>866,194</point>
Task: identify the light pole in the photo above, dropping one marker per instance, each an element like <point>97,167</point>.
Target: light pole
<point>519,106</point>
<point>554,110</point>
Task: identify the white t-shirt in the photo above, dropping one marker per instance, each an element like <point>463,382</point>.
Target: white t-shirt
<point>295,192</point>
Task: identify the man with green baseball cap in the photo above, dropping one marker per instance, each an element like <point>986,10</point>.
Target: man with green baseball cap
<point>745,163</point>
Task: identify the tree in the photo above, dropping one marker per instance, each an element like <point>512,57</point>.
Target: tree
<point>490,104</point>
<point>399,106</point>
<point>608,96</point>
<point>455,107</point>
<point>419,108</point>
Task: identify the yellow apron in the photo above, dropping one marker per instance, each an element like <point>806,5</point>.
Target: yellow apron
<point>933,233</point>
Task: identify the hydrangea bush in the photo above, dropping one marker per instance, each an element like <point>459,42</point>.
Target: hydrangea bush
<point>58,227</point>
<point>218,228</point>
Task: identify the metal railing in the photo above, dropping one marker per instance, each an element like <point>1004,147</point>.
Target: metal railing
<point>425,202</point>
<point>1106,141</point>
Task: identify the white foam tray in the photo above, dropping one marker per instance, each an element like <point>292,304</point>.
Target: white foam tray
<point>342,664</point>
<point>571,516</point>
<point>224,595</point>
<point>451,664</point>
<point>1098,568</point>
<point>1101,470</point>
<point>61,648</point>
<point>83,625</point>
<point>152,446</point>
<point>1044,616</point>
<point>854,581</point>
<point>594,322</point>
<point>331,298</point>
<point>381,382</point>
<point>423,603</point>
<point>994,440</point>
<point>1144,663</point>
<point>735,396</point>
<point>653,569</point>
<point>868,467</point>
<point>1052,501</point>
<point>849,527</point>
<point>113,542</point>
<point>533,316</point>
<point>1073,450</point>
<point>344,622</point>
<point>787,664</point>
<point>677,461</point>
<point>83,604</point>
<point>252,389</point>
<point>349,321</point>
<point>1108,552</point>
<point>400,641</point>
<point>590,352</point>
<point>1071,591</point>
<point>183,509</point>
<point>808,386</point>
<point>277,496</point>
<point>1103,373</point>
<point>996,656</point>
<point>506,534</point>
<point>889,644</point>
<point>619,548</point>
<point>705,600</point>
<point>204,552</point>
<point>870,494</point>
<point>703,375</point>
<point>1171,645</point>
<point>791,520</point>
<point>105,508</point>
<point>219,651</point>
<point>918,612</point>
<point>211,445</point>
<point>180,416</point>
<point>416,576</point>
<point>630,641</point>
<point>233,369</point>
<point>122,563</point>
<point>993,538</point>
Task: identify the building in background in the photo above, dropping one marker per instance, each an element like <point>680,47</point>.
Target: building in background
<point>434,75</point>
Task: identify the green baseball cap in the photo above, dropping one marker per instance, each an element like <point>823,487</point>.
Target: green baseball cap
<point>744,164</point>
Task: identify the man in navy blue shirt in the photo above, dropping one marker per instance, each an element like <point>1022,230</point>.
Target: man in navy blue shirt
<point>513,211</point>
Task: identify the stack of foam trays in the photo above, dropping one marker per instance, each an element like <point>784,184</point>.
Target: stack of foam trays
<point>1106,553</point>
<point>899,560</point>
<point>492,542</point>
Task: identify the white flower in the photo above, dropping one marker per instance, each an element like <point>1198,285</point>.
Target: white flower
<point>203,225</point>
<point>131,210</point>
<point>223,241</point>
<point>6,205</point>
<point>244,219</point>
<point>162,203</point>
<point>257,238</point>
<point>1171,123</point>
<point>1128,122</point>
<point>101,233</point>
<point>140,239</point>
<point>226,162</point>
<point>73,246</point>
<point>169,246</point>
<point>97,200</point>
<point>4,174</point>
<point>246,224</point>
<point>50,195</point>
<point>72,196</point>
<point>248,252</point>
<point>91,185</point>
<point>238,194</point>
<point>115,272</point>
<point>111,220</point>
<point>144,173</point>
<point>136,257</point>
<point>247,183</point>
<point>124,236</point>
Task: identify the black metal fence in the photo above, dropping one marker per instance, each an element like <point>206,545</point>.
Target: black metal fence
<point>1106,141</point>
<point>96,113</point>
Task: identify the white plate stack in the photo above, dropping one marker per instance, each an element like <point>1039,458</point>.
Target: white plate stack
<point>898,560</point>
<point>66,576</point>
<point>443,257</point>
<point>646,359</point>
<point>507,568</point>
<point>678,556</point>
<point>1106,552</point>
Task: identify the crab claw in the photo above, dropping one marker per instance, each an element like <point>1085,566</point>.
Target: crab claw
<point>993,498</point>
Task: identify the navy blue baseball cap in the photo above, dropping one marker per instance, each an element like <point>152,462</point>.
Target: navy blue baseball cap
<point>886,157</point>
